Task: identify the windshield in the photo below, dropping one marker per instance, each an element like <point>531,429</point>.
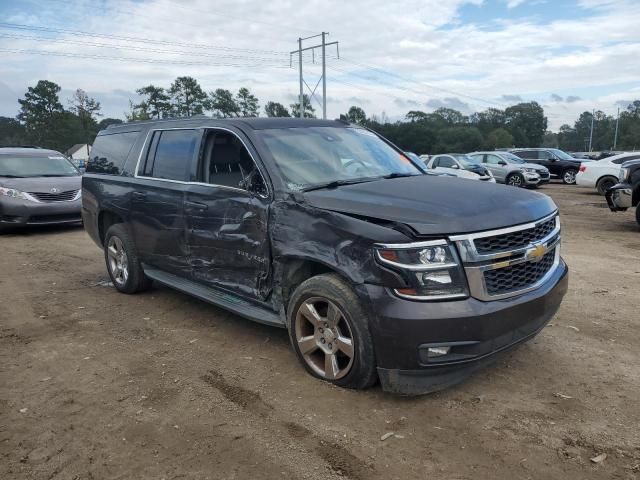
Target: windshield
<point>44,166</point>
<point>466,161</point>
<point>511,158</point>
<point>312,156</point>
<point>562,155</point>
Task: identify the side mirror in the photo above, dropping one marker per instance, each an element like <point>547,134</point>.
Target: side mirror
<point>455,166</point>
<point>502,162</point>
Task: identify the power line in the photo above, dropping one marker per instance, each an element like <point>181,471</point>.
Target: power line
<point>138,49</point>
<point>16,26</point>
<point>136,60</point>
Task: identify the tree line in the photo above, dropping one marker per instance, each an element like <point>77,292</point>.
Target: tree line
<point>44,121</point>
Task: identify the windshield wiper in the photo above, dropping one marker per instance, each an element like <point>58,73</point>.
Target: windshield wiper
<point>400,175</point>
<point>12,176</point>
<point>338,183</point>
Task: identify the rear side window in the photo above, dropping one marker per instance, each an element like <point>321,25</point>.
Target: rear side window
<point>110,152</point>
<point>446,162</point>
<point>170,154</point>
<point>529,154</point>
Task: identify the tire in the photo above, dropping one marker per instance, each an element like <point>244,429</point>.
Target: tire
<point>569,176</point>
<point>515,180</point>
<point>638,214</point>
<point>605,183</point>
<point>323,341</point>
<point>122,261</point>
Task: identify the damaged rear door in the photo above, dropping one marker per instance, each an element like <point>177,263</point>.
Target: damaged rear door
<point>226,214</point>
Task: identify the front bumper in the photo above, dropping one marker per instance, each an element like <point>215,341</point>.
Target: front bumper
<point>17,212</point>
<point>619,197</point>
<point>531,178</point>
<point>475,331</point>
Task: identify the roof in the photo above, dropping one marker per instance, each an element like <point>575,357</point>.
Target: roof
<point>28,151</point>
<point>75,148</point>
<point>253,123</point>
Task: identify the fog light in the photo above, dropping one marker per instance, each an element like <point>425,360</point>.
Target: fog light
<point>437,351</point>
<point>441,278</point>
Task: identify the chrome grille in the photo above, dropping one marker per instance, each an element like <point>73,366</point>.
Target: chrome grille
<point>47,197</point>
<point>516,277</point>
<point>514,240</point>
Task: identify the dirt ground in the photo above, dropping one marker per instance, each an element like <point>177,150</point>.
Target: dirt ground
<point>99,385</point>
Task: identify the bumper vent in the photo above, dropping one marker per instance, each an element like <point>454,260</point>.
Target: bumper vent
<point>514,240</point>
<point>517,277</point>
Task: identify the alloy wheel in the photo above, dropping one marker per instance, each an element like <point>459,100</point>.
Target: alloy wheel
<point>117,260</point>
<point>324,338</point>
<point>515,180</point>
<point>569,177</point>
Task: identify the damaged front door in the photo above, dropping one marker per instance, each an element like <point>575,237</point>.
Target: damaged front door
<point>226,217</point>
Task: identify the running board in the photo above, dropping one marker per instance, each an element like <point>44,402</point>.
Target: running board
<point>219,298</point>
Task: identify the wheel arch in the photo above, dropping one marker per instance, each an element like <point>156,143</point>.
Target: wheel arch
<point>107,218</point>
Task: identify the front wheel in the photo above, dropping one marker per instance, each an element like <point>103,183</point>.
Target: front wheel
<point>605,184</point>
<point>122,261</point>
<point>515,180</point>
<point>330,333</point>
<point>569,176</point>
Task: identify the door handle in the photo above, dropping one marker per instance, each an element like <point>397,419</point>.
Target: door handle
<point>195,205</point>
<point>139,195</point>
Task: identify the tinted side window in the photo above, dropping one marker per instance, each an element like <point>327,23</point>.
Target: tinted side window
<point>620,161</point>
<point>173,154</point>
<point>544,155</point>
<point>109,152</point>
<point>529,154</point>
<point>446,162</point>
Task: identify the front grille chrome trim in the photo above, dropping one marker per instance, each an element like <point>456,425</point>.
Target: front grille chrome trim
<point>476,264</point>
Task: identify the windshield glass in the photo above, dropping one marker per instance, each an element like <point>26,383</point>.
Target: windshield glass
<point>562,155</point>
<point>318,155</point>
<point>511,158</point>
<point>466,161</point>
<point>44,166</point>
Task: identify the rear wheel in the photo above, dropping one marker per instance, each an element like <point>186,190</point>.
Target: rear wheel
<point>122,261</point>
<point>330,333</point>
<point>569,176</point>
<point>515,180</point>
<point>605,183</point>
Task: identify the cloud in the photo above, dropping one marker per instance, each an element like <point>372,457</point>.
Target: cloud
<point>403,103</point>
<point>556,98</point>
<point>358,100</point>
<point>511,98</point>
<point>572,99</point>
<point>449,102</point>
<point>514,3</point>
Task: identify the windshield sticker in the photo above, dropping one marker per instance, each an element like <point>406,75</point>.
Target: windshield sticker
<point>56,158</point>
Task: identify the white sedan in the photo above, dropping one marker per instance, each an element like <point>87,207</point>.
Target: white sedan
<point>603,174</point>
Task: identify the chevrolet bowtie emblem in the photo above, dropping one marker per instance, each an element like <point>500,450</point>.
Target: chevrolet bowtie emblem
<point>535,254</point>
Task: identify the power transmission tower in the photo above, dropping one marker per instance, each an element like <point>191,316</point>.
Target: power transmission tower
<point>323,78</point>
<point>615,137</point>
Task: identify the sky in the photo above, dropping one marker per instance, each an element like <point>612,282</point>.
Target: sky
<point>394,56</point>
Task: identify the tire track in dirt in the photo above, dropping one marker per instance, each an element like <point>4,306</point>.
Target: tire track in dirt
<point>338,459</point>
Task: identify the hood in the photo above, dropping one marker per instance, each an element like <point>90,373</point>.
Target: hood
<point>436,205</point>
<point>42,184</point>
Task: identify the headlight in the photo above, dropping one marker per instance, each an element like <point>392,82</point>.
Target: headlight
<point>530,170</point>
<point>624,174</point>
<point>13,193</point>
<point>431,269</point>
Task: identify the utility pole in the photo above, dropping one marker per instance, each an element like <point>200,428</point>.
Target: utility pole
<point>593,114</point>
<point>615,137</point>
<point>312,93</point>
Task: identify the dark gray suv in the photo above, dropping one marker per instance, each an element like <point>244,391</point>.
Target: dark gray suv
<point>37,187</point>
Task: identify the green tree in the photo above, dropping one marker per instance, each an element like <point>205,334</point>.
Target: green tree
<point>38,111</point>
<point>86,108</point>
<point>157,100</point>
<point>138,112</point>
<point>527,123</point>
<point>12,132</point>
<point>275,109</point>
<point>247,103</point>
<point>417,116</point>
<point>104,123</point>
<point>309,111</point>
<point>499,138</point>
<point>188,97</point>
<point>489,120</point>
<point>222,103</point>
<point>356,115</point>
<point>450,116</point>
<point>458,140</point>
